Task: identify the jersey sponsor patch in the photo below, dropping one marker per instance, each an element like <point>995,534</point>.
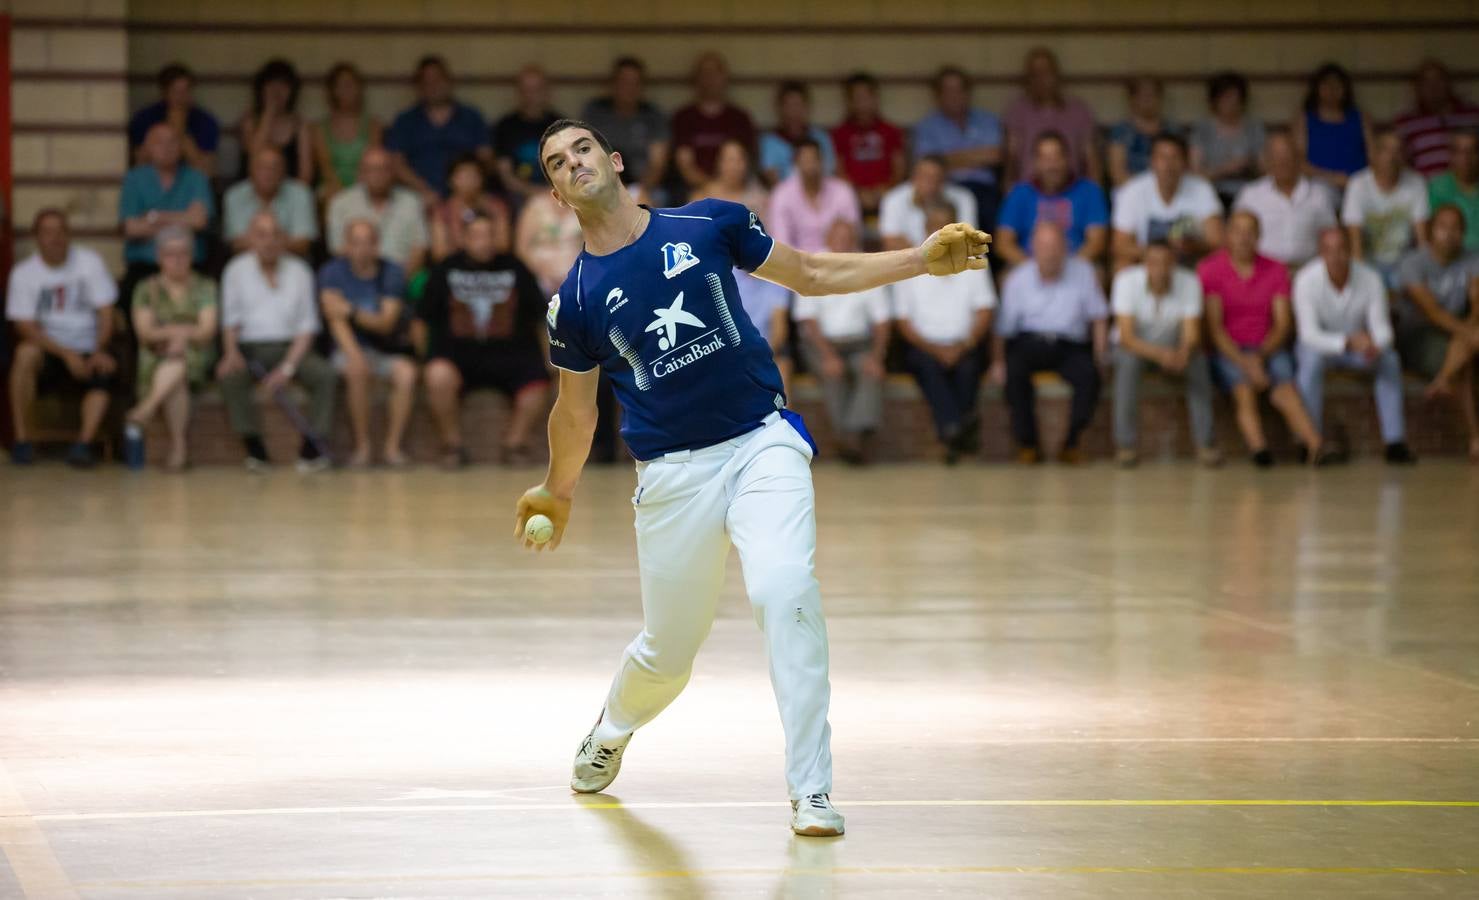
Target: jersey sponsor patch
<point>552,314</point>
<point>678,258</point>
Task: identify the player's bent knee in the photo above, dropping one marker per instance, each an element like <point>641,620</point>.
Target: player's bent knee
<point>783,586</point>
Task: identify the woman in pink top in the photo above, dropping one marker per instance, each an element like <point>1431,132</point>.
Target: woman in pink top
<point>1246,297</point>
<point>468,200</point>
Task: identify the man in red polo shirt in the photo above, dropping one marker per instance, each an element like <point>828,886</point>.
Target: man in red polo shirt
<point>870,151</point>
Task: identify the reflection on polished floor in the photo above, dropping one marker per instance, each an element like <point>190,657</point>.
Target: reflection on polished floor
<point>1047,683</point>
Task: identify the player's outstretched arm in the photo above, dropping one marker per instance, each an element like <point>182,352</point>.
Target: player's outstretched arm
<point>952,249</point>
<point>572,423</point>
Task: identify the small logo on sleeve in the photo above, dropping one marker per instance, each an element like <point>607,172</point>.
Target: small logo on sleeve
<point>677,258</point>
<point>755,224</point>
<point>553,313</point>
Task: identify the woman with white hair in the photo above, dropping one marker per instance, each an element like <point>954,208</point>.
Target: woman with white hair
<point>175,318</point>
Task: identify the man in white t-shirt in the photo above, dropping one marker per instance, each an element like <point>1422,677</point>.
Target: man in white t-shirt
<point>944,323</point>
<point>269,319</point>
<point>1157,306</point>
<point>61,300</point>
<point>901,213</point>
<point>1292,210</point>
<point>844,339</point>
<point>1386,207</point>
<point>1166,203</point>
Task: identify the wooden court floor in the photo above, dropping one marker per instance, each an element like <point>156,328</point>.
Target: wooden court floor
<point>1046,683</point>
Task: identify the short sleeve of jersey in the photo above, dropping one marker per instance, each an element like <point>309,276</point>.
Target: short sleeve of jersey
<point>565,319</point>
<point>743,232</point>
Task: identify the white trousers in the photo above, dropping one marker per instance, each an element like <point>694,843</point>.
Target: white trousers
<point>754,491</point>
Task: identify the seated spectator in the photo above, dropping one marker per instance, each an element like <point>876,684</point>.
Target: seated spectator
<point>1340,307</point>
<point>1044,107</point>
<point>1158,309</point>
<point>362,298</point>
<point>1166,204</point>
<point>1438,326</point>
<point>1225,147</point>
<point>1129,141</point>
<point>175,316</point>
<point>160,193</point>
<point>468,200</point>
<point>269,321</point>
<point>1052,320</point>
<point>516,135</point>
<point>1331,131</point>
<point>1385,207</point>
<point>484,316</point>
<point>968,138</point>
<point>1077,207</point>
<point>267,189</point>
<point>1249,321</point>
<point>1459,186</point>
<point>870,150</point>
<point>636,129</point>
<point>793,126</point>
<point>1292,210</point>
<point>844,340</point>
<point>196,129</point>
<point>944,323</point>
<point>901,215</point>
<point>395,212</point>
<point>425,138</point>
<point>1437,112</point>
<point>547,240</point>
<point>60,299</point>
<point>806,204</point>
<point>343,136</point>
<point>766,303</point>
<point>273,121</point>
<point>702,127</point>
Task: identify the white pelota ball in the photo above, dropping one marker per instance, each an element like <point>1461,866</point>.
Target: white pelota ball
<point>539,529</point>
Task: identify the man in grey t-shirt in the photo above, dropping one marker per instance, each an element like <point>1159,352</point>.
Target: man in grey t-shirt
<point>637,129</point>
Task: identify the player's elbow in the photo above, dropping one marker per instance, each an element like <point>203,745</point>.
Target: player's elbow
<point>575,416</point>
<point>811,281</point>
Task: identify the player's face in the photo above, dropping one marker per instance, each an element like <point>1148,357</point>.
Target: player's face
<point>578,169</point>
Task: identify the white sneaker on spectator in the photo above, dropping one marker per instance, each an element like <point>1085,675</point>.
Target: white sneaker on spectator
<point>596,765</point>
<point>814,816</point>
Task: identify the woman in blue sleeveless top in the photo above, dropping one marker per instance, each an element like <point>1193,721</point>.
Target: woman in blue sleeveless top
<point>1332,130</point>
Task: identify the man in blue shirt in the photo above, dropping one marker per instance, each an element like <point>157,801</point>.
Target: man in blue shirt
<point>1076,206</point>
<point>197,129</point>
<point>652,301</point>
<point>969,139</point>
<point>1051,309</point>
<point>428,136</point>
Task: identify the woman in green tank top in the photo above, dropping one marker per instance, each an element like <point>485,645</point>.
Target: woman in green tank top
<point>345,133</point>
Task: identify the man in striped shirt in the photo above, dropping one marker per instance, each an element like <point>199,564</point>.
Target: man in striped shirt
<point>1425,128</point>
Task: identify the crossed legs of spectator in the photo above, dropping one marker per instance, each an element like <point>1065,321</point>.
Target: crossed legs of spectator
<point>1386,370</point>
<point>169,392</point>
<point>1197,381</point>
<point>34,370</point>
<point>1455,379</point>
<point>951,393</point>
<point>1027,355</point>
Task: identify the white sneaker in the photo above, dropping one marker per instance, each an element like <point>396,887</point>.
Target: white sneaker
<point>815,817</point>
<point>596,765</point>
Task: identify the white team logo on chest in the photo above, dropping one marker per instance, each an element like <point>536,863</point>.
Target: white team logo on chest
<point>677,258</point>
<point>669,319</point>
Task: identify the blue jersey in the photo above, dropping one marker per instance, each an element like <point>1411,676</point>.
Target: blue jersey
<point>662,316</point>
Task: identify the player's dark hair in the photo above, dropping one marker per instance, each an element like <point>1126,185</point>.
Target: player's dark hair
<point>864,79</point>
<point>629,62</point>
<point>1170,137</point>
<point>1223,82</point>
<point>1050,134</point>
<point>560,125</point>
<point>791,86</point>
<point>947,72</point>
<point>172,73</point>
<point>49,212</point>
<point>431,60</point>
<point>1330,70</point>
<point>1463,220</point>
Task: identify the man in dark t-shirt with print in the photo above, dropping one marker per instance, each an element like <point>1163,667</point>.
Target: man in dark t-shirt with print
<point>516,135</point>
<point>482,311</point>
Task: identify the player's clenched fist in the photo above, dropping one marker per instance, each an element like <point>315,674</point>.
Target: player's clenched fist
<point>539,501</point>
<point>955,248</point>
